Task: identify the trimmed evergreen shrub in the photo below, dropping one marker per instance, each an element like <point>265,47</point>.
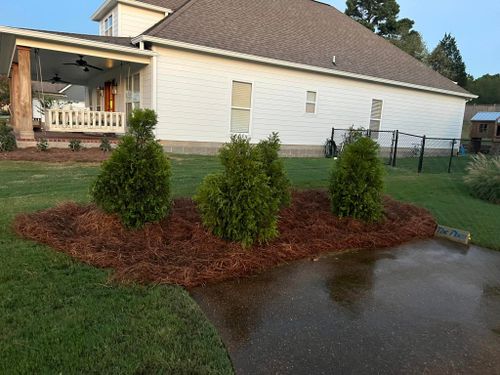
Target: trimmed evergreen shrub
<point>105,145</point>
<point>7,138</point>
<point>239,204</point>
<point>483,178</point>
<point>356,184</point>
<point>274,168</point>
<point>42,145</point>
<point>135,182</point>
<point>75,145</point>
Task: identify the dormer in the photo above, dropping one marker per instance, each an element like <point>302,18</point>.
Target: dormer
<point>128,18</point>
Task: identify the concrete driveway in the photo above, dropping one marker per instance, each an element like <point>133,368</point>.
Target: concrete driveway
<point>427,307</point>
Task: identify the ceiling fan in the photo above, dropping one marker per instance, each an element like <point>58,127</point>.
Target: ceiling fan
<point>57,79</point>
<point>83,64</point>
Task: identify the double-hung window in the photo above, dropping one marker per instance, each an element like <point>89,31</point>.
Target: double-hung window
<point>483,128</point>
<point>108,26</point>
<point>376,117</point>
<point>241,107</point>
<point>311,102</point>
<point>133,93</point>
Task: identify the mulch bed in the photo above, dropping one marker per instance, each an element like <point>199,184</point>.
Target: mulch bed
<point>56,155</point>
<point>179,250</point>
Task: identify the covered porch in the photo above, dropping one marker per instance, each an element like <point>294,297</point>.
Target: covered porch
<point>112,74</point>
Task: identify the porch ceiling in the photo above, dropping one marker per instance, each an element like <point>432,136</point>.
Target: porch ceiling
<point>52,63</point>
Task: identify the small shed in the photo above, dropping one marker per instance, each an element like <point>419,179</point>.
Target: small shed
<point>486,125</point>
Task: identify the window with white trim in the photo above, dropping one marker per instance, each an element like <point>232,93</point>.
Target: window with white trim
<point>311,99</point>
<point>108,26</point>
<point>241,107</point>
<point>376,117</point>
<point>132,93</point>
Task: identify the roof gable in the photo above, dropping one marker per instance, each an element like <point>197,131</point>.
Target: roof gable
<point>299,31</point>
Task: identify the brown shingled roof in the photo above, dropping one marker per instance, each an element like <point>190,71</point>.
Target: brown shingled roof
<point>298,31</point>
<point>169,4</point>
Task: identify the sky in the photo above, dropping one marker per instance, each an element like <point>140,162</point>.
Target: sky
<point>475,24</point>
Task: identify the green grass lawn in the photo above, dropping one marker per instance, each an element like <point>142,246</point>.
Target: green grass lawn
<point>57,315</point>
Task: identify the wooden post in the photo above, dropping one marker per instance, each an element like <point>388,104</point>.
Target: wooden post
<point>14,94</point>
<point>24,104</point>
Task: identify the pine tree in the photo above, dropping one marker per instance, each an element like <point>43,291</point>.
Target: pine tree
<point>447,60</point>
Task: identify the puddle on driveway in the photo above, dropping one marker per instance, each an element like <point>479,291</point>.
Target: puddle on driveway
<point>427,307</point>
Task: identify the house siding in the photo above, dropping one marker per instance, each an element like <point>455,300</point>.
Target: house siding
<point>194,101</point>
<point>134,21</point>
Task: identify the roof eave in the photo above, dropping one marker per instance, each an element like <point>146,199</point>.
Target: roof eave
<point>73,40</point>
<point>299,66</point>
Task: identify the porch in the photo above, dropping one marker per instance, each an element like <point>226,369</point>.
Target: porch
<point>110,76</point>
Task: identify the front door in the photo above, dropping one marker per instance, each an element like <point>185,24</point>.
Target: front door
<point>109,97</point>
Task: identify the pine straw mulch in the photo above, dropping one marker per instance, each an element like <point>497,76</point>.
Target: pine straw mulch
<point>56,155</point>
<point>180,251</point>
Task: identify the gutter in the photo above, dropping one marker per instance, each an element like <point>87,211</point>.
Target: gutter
<point>287,64</point>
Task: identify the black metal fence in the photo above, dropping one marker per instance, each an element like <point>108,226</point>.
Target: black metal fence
<point>416,152</point>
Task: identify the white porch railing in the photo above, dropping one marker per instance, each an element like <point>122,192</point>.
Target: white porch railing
<point>85,120</point>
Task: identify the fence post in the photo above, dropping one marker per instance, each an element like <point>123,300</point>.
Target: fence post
<point>421,160</point>
<point>451,155</point>
<point>395,151</point>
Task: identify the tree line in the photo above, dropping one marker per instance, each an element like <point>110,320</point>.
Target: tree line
<point>382,17</point>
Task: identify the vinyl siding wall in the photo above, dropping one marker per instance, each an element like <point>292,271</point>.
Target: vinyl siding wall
<point>134,21</point>
<point>194,102</point>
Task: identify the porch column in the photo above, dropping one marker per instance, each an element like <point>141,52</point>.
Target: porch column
<point>14,94</point>
<point>23,105</point>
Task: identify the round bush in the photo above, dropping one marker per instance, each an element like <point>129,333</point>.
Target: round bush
<point>356,184</point>
<point>483,178</point>
<point>7,138</point>
<point>239,204</point>
<point>135,182</point>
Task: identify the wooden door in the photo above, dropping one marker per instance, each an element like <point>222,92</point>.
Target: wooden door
<point>109,97</point>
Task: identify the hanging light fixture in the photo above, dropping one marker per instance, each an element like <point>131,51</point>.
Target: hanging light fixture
<point>114,87</point>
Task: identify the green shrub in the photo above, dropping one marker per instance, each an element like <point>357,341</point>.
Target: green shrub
<point>42,145</point>
<point>274,168</point>
<point>135,182</point>
<point>483,178</point>
<point>7,138</point>
<point>105,145</point>
<point>75,145</point>
<point>239,204</point>
<point>356,183</point>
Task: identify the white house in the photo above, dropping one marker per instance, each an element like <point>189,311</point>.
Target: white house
<point>212,68</point>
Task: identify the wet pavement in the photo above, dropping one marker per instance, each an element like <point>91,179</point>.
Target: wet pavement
<point>428,307</point>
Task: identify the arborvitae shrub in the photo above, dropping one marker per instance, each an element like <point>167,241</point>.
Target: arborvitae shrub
<point>7,138</point>
<point>483,178</point>
<point>356,184</point>
<point>134,182</point>
<point>274,168</point>
<point>239,204</point>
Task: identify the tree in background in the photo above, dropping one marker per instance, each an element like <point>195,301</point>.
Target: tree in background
<point>4,92</point>
<point>381,16</point>
<point>447,60</point>
<point>410,40</point>
<point>487,87</point>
